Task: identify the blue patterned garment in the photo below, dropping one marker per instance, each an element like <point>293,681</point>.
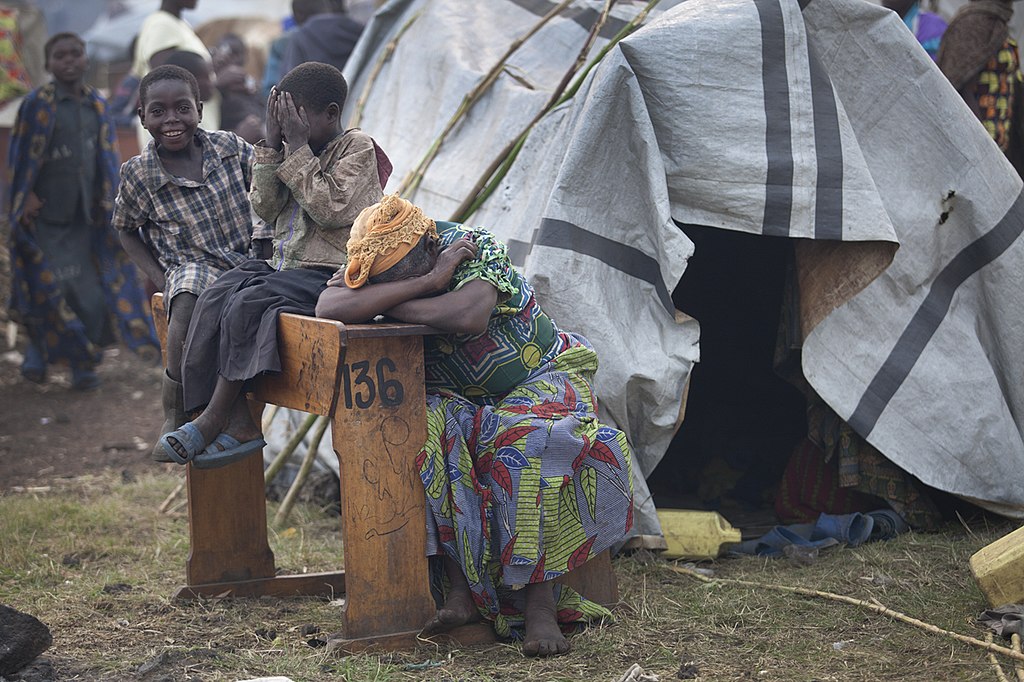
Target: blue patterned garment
<point>36,297</point>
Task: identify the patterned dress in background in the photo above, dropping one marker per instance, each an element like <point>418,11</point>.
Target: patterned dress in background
<point>37,298</point>
<point>997,84</point>
<point>523,482</point>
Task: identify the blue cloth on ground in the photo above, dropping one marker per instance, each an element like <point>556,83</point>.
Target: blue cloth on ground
<point>830,529</point>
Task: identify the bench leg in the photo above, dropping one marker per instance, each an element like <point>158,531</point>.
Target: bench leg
<point>378,428</point>
<point>227,519</point>
<point>229,553</point>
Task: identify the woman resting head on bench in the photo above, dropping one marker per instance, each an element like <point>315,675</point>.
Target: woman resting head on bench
<point>523,482</point>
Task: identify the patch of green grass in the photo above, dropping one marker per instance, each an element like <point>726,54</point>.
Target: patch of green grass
<point>97,562</point>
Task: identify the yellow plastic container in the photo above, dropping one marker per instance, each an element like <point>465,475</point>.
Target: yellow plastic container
<point>692,534</point>
<point>998,569</point>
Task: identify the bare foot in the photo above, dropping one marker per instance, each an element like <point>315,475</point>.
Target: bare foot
<point>240,424</point>
<point>459,608</point>
<point>237,423</point>
<point>543,636</point>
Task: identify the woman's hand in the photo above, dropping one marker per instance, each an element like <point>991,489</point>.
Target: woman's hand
<point>338,278</point>
<point>451,258</point>
<point>293,121</point>
<point>273,125</point>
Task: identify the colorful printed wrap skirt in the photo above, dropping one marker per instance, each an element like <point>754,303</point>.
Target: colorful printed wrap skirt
<point>38,302</point>
<point>527,489</point>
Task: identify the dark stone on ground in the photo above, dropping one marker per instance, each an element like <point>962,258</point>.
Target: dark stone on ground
<point>309,629</point>
<point>688,671</point>
<point>39,670</point>
<point>22,639</point>
<point>264,633</point>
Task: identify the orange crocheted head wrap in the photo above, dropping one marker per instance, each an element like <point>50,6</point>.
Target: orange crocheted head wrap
<point>381,236</point>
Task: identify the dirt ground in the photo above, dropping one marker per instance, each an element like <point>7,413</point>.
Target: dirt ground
<point>49,431</point>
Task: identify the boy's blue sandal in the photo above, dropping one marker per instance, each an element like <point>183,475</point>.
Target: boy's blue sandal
<point>224,450</point>
<point>189,438</point>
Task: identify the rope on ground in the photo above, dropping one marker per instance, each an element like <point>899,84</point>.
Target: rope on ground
<point>300,478</point>
<point>877,607</point>
<point>637,674</point>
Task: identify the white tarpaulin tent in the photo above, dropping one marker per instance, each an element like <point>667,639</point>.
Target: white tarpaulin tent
<point>818,120</point>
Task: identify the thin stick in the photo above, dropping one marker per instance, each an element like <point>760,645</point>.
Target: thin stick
<point>876,607</point>
<point>498,169</point>
<point>511,150</point>
<point>289,448</point>
<point>300,478</point>
<point>413,179</point>
<point>177,508</point>
<point>1017,668</point>
<point>170,498</point>
<point>1000,675</point>
<point>581,58</point>
<point>385,55</point>
<point>268,418</point>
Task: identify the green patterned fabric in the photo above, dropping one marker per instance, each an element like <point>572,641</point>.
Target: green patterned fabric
<point>519,337</point>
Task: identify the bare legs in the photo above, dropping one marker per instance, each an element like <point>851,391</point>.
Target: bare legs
<point>543,636</point>
<point>458,608</point>
<point>228,411</point>
<point>182,307</point>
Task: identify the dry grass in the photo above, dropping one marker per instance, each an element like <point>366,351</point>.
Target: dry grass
<point>97,563</point>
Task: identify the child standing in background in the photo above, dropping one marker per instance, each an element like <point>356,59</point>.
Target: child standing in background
<point>74,289</point>
<point>311,180</point>
<point>183,209</point>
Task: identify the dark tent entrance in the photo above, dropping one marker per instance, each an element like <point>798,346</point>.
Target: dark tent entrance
<point>744,422</point>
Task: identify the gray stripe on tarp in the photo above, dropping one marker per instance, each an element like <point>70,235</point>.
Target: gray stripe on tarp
<point>828,147</point>
<point>931,313</point>
<point>560,234</point>
<point>584,16</point>
<point>778,204</point>
<point>518,251</point>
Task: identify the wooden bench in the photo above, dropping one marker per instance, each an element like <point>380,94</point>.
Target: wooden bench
<point>368,379</point>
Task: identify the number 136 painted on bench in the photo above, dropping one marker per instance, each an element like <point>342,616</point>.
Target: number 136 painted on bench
<point>361,389</point>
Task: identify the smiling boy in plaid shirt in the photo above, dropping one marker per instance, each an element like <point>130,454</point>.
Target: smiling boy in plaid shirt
<point>182,209</point>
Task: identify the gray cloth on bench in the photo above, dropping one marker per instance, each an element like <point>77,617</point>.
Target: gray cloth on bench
<point>233,332</point>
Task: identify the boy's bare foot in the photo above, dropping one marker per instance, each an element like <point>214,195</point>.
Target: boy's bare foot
<point>240,424</point>
<point>237,423</point>
<point>543,636</point>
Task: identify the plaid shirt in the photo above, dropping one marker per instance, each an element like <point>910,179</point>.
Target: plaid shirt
<point>196,230</point>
